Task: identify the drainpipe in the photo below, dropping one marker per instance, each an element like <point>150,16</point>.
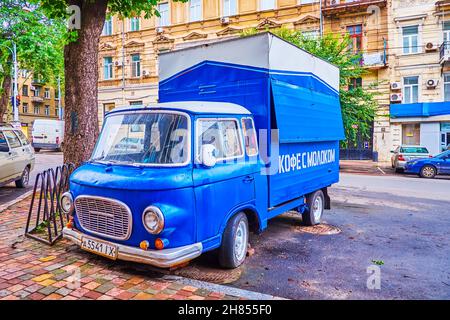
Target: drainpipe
<point>15,107</point>
<point>321,18</point>
<point>123,61</point>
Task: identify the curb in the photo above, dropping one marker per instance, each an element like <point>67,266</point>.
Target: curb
<point>236,292</point>
<point>5,206</point>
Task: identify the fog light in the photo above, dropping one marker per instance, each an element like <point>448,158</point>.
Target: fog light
<point>144,245</point>
<point>153,220</point>
<point>70,223</point>
<point>161,243</point>
<point>66,203</point>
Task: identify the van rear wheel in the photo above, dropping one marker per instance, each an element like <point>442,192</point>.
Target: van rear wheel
<point>315,204</point>
<point>37,150</point>
<point>234,246</point>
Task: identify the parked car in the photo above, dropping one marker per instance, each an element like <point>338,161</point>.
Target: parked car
<point>16,157</point>
<point>47,134</point>
<point>404,153</point>
<point>200,182</point>
<point>431,167</point>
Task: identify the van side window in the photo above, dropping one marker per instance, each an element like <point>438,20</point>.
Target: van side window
<point>223,134</point>
<point>3,142</point>
<point>13,140</point>
<point>251,143</point>
<point>22,138</point>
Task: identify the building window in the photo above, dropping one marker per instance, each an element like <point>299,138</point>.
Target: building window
<point>447,87</point>
<point>164,19</point>
<point>446,35</point>
<point>107,68</point>
<point>355,83</point>
<point>411,89</point>
<point>267,4</point>
<point>135,65</point>
<point>56,95</point>
<point>25,90</point>
<point>195,10</point>
<point>229,8</point>
<point>25,108</point>
<point>37,110</point>
<point>311,34</point>
<point>410,39</point>
<point>37,91</point>
<point>355,33</point>
<point>411,134</point>
<point>47,110</point>
<point>134,24</point>
<point>136,103</point>
<point>57,111</point>
<point>47,93</point>
<point>107,27</point>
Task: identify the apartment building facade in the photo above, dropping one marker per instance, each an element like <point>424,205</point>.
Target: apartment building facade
<point>129,48</point>
<point>419,33</point>
<point>38,100</point>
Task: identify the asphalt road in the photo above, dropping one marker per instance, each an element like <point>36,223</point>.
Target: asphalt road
<point>44,160</point>
<point>399,222</point>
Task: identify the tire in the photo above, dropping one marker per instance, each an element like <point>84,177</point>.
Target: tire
<point>428,172</point>
<point>315,204</point>
<point>233,249</point>
<point>37,150</point>
<point>399,170</point>
<point>24,179</point>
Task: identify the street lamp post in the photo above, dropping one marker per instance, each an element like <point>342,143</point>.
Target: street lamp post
<point>15,89</point>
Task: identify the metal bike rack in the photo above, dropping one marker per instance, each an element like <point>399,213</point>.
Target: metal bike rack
<point>48,216</point>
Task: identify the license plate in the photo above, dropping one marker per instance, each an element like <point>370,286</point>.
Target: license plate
<point>101,248</point>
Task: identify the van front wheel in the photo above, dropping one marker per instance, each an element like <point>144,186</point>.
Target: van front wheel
<point>234,246</point>
<point>315,204</point>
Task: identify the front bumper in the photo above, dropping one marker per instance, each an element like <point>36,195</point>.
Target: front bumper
<point>160,258</point>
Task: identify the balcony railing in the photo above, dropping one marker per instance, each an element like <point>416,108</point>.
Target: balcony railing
<point>444,52</point>
<point>335,6</point>
<point>38,82</point>
<point>37,99</point>
<point>374,60</point>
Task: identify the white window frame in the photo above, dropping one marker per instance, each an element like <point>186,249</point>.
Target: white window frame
<point>47,93</point>
<point>197,133</point>
<point>229,13</point>
<point>262,3</point>
<point>38,108</point>
<point>136,66</point>
<point>411,86</point>
<point>443,86</point>
<point>110,21</point>
<point>111,71</point>
<point>25,107</point>
<point>419,39</point>
<point>132,24</point>
<point>195,5</point>
<point>47,110</point>
<point>160,22</point>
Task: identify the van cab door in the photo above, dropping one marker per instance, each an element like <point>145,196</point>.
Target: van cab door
<point>228,184</point>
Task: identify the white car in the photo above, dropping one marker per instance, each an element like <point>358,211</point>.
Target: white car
<point>16,157</point>
<point>47,134</point>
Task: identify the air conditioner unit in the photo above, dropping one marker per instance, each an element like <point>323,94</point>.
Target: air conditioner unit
<point>396,86</point>
<point>225,20</point>
<point>432,83</point>
<point>396,97</point>
<point>430,47</point>
<point>145,73</point>
<point>159,30</point>
<point>118,63</point>
<point>333,2</point>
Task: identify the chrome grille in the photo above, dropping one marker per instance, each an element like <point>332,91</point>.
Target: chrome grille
<point>103,216</point>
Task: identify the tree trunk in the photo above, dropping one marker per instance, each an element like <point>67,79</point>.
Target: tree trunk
<point>81,74</point>
<point>4,98</point>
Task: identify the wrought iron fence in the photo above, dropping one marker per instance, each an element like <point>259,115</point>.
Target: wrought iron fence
<point>45,219</point>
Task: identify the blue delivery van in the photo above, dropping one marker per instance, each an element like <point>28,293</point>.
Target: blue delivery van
<point>245,130</point>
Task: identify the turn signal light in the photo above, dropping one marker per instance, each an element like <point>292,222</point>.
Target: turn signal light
<point>161,243</point>
<point>401,158</point>
<point>144,245</point>
<point>70,223</point>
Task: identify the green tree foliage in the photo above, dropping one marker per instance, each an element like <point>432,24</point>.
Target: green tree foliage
<point>358,104</point>
<point>39,41</point>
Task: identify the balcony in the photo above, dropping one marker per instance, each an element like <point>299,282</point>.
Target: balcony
<point>444,53</point>
<point>332,7</point>
<point>37,99</point>
<point>375,60</point>
<point>37,82</point>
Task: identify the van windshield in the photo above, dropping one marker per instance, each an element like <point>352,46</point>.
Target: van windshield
<point>144,138</point>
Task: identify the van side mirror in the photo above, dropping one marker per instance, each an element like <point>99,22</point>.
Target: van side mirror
<point>4,148</point>
<point>208,159</point>
<point>392,151</point>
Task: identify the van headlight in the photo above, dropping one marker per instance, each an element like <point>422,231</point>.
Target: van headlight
<point>66,202</point>
<point>153,220</point>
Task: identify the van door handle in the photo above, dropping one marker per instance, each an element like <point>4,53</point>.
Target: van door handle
<point>248,179</point>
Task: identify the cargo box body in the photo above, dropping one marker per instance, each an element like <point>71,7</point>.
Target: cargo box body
<point>285,88</point>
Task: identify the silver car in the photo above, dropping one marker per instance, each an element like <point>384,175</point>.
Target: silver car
<point>16,157</point>
<point>404,153</point>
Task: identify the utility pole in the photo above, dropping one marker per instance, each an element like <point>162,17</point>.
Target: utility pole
<point>16,93</point>
<point>59,99</point>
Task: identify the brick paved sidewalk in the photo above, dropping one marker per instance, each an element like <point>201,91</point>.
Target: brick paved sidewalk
<point>32,270</point>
